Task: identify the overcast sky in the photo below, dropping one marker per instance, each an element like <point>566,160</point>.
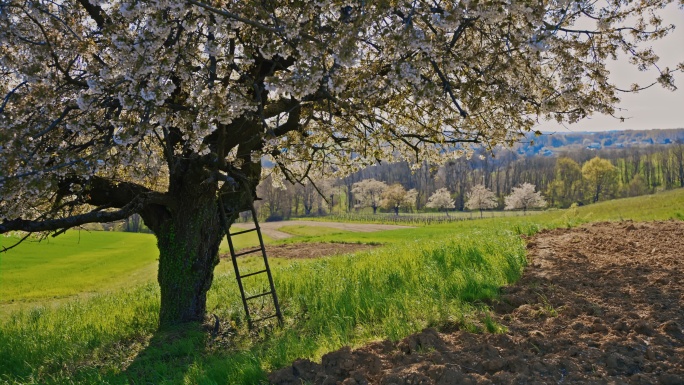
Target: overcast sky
<point>655,107</point>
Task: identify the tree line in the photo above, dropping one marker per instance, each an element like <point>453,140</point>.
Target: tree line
<point>576,176</point>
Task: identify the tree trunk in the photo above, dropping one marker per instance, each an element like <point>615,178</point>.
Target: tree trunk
<point>188,233</point>
<point>188,244</point>
<point>596,194</point>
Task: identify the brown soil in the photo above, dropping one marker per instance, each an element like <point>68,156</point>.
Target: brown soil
<point>601,304</point>
<point>314,250</point>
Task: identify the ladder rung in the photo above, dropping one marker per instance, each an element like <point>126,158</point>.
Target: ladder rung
<point>246,252</point>
<point>258,295</point>
<point>244,231</point>
<point>251,274</point>
<point>264,318</point>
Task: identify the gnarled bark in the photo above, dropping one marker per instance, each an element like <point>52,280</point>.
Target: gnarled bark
<point>188,238</point>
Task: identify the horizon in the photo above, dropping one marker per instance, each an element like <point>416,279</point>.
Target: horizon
<point>563,131</point>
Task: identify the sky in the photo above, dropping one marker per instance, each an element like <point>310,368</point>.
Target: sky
<point>655,107</point>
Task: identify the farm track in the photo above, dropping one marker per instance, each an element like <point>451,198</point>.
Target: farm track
<point>600,304</point>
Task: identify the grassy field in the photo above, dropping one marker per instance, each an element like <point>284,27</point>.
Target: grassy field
<point>310,231</point>
<point>82,263</point>
<point>427,276</point>
<point>74,263</point>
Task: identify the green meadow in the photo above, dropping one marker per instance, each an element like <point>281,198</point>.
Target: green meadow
<point>311,231</point>
<point>75,263</point>
<point>81,263</point>
<point>435,275</point>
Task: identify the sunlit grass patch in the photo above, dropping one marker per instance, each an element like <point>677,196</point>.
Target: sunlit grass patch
<point>309,231</point>
<point>74,263</point>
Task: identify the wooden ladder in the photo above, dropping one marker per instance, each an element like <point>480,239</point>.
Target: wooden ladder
<point>267,270</point>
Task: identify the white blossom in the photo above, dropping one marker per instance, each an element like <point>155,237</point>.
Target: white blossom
<point>524,197</point>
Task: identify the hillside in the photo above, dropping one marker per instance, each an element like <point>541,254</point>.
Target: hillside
<point>551,143</point>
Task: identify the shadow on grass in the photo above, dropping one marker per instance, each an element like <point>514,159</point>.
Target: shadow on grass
<point>169,356</point>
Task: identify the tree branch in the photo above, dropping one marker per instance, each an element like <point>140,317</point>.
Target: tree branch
<point>291,124</point>
<point>95,216</point>
<point>9,95</point>
<point>447,87</point>
<point>234,16</point>
<point>5,249</point>
<point>96,13</point>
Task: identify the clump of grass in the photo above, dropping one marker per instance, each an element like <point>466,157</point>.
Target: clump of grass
<point>492,326</point>
<point>526,228</point>
<point>44,343</point>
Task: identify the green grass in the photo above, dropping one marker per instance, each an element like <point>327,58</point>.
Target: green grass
<point>427,276</point>
<point>74,263</point>
<point>665,205</point>
<point>311,231</point>
<point>242,241</point>
<point>328,303</point>
<point>83,262</point>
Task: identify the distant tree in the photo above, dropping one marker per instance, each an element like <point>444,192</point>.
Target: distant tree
<point>600,177</point>
<point>566,188</point>
<point>636,187</point>
<point>368,193</point>
<point>524,197</point>
<point>481,198</point>
<point>441,200</point>
<point>275,199</point>
<point>454,175</point>
<point>395,197</point>
<point>678,156</point>
<point>311,192</point>
<point>133,223</point>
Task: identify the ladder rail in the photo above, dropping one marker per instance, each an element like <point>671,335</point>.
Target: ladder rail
<point>268,268</point>
<point>236,267</point>
<point>231,247</point>
<point>242,232</point>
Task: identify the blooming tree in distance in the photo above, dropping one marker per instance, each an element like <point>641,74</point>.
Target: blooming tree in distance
<point>396,196</point>
<point>481,198</point>
<point>368,193</point>
<point>441,200</point>
<point>524,197</point>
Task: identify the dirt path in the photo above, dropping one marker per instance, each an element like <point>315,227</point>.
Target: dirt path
<point>601,304</point>
<point>271,228</point>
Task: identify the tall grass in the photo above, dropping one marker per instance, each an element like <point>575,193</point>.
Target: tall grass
<point>44,343</point>
<point>328,303</point>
